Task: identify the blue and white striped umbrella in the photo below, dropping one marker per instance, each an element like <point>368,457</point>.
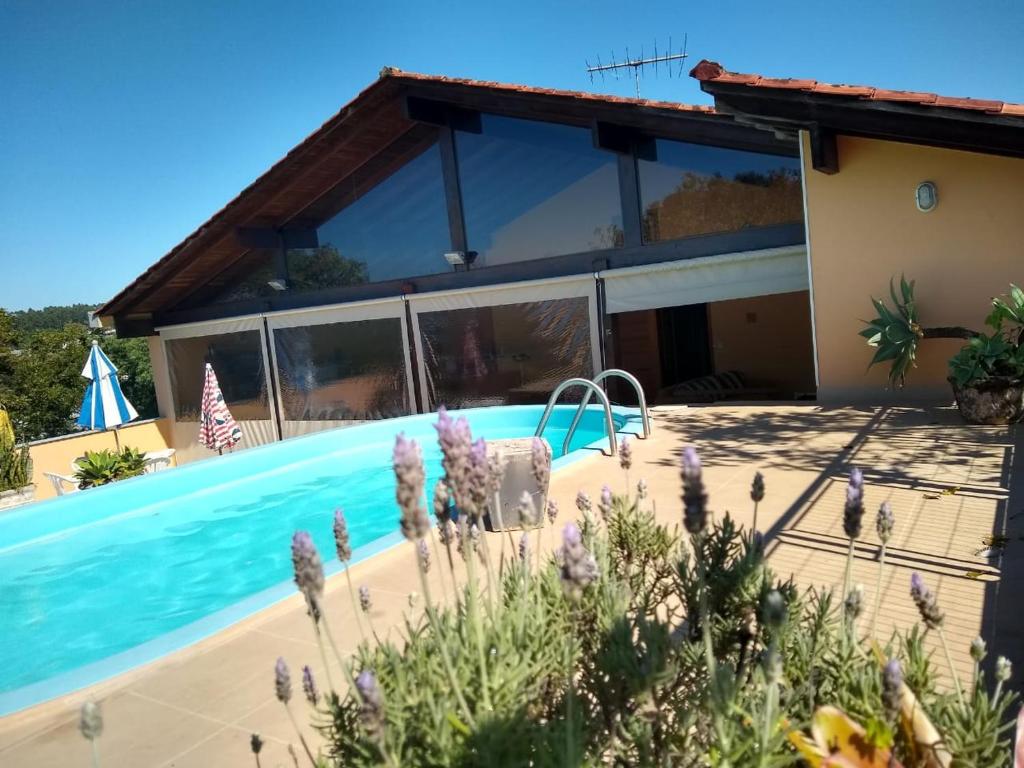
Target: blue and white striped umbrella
<point>105,405</point>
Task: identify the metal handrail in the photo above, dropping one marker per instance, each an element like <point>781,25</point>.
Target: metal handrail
<point>591,387</point>
<point>645,417</point>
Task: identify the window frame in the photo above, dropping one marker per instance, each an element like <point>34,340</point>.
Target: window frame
<point>620,136</point>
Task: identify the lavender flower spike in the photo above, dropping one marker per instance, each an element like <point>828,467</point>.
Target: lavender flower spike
<point>583,503</point>
<point>282,682</point>
<point>454,438</point>
<point>885,522</point>
<point>364,598</point>
<point>442,509</point>
<point>371,711</point>
<point>695,499</point>
<point>892,682</point>
<point>579,568</point>
<point>528,516</point>
<point>757,488</point>
<point>604,504</point>
<point>541,462</point>
<point>309,571</point>
<point>552,511</point>
<point>479,480</point>
<point>341,540</point>
<point>641,489</point>
<point>625,453</point>
<point>853,511</point>
<point>90,722</point>
<point>409,481</point>
<point>309,686</point>
<point>925,601</point>
<point>524,548</point>
<point>423,553</point>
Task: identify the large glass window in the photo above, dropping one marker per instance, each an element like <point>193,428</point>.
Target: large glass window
<point>398,229</point>
<point>343,371</point>
<point>533,189</point>
<point>693,189</point>
<point>249,280</point>
<point>237,359</point>
<point>513,353</point>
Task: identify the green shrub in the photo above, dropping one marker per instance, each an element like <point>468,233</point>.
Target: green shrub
<point>895,335</point>
<point>15,465</point>
<point>102,467</point>
<point>632,646</point>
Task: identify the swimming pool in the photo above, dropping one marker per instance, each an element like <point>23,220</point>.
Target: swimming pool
<point>92,584</point>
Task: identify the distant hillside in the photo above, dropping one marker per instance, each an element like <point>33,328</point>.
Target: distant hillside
<point>28,321</point>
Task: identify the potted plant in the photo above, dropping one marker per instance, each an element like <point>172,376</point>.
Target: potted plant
<point>15,467</point>
<point>987,374</point>
<point>102,467</point>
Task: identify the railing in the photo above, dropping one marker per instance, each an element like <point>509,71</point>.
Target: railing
<point>591,388</point>
<point>645,417</point>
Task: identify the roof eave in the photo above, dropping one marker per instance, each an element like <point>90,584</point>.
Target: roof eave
<point>778,109</point>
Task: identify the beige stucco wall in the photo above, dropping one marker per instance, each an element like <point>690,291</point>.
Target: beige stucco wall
<point>864,227</point>
<point>56,454</point>
<point>767,338</point>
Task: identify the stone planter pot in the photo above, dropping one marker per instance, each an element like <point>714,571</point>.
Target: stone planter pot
<point>16,497</point>
<point>993,401</point>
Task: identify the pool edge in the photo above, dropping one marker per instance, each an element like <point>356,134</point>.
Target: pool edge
<point>125,664</point>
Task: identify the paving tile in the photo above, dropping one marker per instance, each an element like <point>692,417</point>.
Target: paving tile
<point>136,732</point>
<point>198,707</point>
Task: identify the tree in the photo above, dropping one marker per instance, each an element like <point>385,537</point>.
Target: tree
<point>45,387</point>
<point>41,383</point>
<point>54,318</point>
<point>134,372</point>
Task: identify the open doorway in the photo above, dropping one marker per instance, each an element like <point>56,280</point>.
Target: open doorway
<point>757,348</point>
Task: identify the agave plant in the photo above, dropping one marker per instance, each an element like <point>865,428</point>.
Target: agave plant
<point>102,467</point>
<point>895,334</point>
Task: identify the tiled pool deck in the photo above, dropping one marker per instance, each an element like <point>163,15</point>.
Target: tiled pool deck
<point>952,487</point>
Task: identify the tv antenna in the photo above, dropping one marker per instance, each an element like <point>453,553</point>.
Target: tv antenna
<point>638,65</point>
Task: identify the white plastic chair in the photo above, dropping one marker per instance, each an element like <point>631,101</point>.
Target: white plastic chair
<point>158,460</point>
<point>58,480</point>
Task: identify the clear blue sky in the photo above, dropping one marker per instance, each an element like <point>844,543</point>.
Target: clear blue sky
<point>124,125</point>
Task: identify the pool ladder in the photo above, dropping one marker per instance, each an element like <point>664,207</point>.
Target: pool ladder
<point>591,385</point>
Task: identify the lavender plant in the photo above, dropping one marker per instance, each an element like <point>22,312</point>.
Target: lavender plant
<point>633,645</point>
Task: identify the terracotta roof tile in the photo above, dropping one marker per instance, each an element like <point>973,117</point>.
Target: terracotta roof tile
<point>843,90</point>
<point>580,95</point>
<point>713,72</point>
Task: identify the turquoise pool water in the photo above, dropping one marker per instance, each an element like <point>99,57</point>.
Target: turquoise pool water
<point>94,583</point>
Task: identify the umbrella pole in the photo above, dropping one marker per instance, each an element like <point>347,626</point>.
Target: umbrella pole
<point>117,442</point>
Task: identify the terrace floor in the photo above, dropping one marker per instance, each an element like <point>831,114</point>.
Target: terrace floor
<point>957,492</point>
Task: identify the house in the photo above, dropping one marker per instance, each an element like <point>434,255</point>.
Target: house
<point>453,241</point>
<point>447,241</point>
<point>866,153</point>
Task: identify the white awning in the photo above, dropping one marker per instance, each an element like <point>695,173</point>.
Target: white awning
<point>338,313</point>
<point>211,327</point>
<point>712,278</point>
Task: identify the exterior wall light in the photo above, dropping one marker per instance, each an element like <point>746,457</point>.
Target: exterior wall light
<point>927,196</point>
<point>460,258</point>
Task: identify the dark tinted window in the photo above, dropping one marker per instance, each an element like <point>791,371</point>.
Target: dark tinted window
<point>692,189</point>
<point>340,371</point>
<point>533,189</point>
<point>514,353</point>
<point>248,280</point>
<point>398,229</point>
<point>237,359</point>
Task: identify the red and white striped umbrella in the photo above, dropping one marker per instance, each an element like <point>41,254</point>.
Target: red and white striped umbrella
<point>217,429</point>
